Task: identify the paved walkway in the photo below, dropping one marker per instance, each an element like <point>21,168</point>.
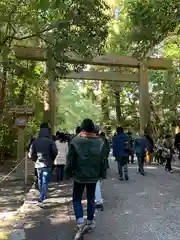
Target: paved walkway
<point>12,188</point>
<point>12,195</point>
<point>144,208</point>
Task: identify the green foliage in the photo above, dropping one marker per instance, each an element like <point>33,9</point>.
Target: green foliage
<point>166,88</point>
<point>117,41</point>
<point>151,22</point>
<point>62,26</point>
<point>171,47</point>
<point>25,87</point>
<point>140,27</point>
<point>73,107</point>
<point>80,27</point>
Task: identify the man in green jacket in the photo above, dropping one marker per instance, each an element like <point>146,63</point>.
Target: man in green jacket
<point>85,164</point>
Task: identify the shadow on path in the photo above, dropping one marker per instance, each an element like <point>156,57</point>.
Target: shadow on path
<point>55,220</point>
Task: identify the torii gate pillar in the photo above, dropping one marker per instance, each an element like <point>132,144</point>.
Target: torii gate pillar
<point>50,112</point>
<point>144,98</point>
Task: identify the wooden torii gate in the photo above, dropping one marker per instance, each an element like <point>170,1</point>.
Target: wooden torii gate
<point>141,78</point>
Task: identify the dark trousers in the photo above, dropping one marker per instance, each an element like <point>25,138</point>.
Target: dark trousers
<point>78,190</point>
<point>132,157</point>
<point>122,165</point>
<point>59,173</point>
<point>35,178</point>
<point>51,174</point>
<point>141,160</point>
<point>168,164</point>
<point>35,173</point>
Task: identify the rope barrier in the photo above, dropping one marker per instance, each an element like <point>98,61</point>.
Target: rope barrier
<point>5,177</point>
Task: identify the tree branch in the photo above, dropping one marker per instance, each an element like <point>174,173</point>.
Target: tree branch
<point>53,26</point>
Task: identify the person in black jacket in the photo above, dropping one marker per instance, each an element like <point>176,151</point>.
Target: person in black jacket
<point>131,144</point>
<point>43,152</point>
<point>35,171</point>
<point>150,146</point>
<point>107,148</point>
<point>98,195</point>
<point>177,142</point>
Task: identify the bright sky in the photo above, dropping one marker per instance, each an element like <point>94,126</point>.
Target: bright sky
<point>111,2</point>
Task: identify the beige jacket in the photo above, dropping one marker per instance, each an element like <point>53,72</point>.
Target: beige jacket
<point>62,153</point>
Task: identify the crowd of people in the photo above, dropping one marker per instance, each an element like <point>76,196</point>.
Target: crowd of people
<point>83,157</point>
<point>166,149</point>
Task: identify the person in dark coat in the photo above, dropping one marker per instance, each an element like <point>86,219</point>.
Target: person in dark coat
<point>29,155</point>
<point>98,193</point>
<point>131,143</point>
<point>121,152</point>
<point>168,152</point>
<point>177,142</point>
<point>43,153</point>
<point>140,144</point>
<point>85,164</point>
<point>106,147</point>
<point>150,146</point>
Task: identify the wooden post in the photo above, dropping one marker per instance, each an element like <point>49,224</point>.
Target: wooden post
<point>52,95</point>
<point>174,111</point>
<point>118,107</point>
<point>144,99</point>
<point>20,147</point>
<point>46,115</point>
<point>3,78</point>
<point>51,65</point>
<point>26,169</point>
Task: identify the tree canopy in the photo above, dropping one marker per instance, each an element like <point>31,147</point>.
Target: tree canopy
<point>151,22</point>
<point>62,26</point>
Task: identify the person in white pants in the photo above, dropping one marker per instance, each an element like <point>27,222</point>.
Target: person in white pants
<point>98,196</point>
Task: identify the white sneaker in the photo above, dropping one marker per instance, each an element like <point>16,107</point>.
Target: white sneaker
<point>40,204</point>
<point>81,229</point>
<point>80,225</point>
<point>91,225</point>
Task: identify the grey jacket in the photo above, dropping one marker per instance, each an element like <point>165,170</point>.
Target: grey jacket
<point>43,150</point>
